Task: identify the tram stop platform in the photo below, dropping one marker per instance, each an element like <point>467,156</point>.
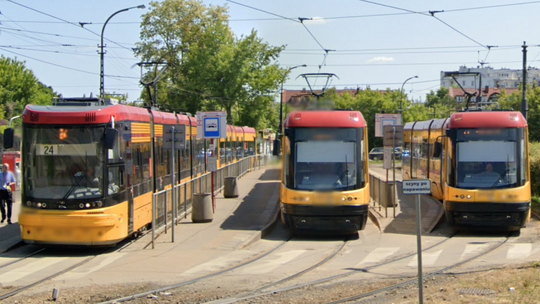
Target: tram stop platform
<point>243,219</point>
<point>401,218</point>
<point>238,222</point>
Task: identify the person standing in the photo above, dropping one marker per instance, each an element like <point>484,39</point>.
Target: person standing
<point>7,181</point>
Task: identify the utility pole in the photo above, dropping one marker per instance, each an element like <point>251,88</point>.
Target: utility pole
<point>102,53</point>
<point>524,105</point>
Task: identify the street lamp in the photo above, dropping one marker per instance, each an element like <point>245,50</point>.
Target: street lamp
<point>101,73</point>
<point>277,140</point>
<point>401,97</point>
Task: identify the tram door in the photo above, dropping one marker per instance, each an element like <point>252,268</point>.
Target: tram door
<point>129,186</point>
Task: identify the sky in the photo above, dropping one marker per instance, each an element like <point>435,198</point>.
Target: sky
<point>364,44</point>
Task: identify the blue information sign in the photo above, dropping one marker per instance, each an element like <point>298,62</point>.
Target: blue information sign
<point>211,127</point>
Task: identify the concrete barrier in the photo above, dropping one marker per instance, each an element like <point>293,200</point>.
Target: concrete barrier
<point>202,211</point>
<point>230,187</point>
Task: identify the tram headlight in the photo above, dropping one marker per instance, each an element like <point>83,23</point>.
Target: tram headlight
<point>43,205</point>
<point>28,203</point>
<point>38,205</point>
<point>87,205</point>
<point>81,206</point>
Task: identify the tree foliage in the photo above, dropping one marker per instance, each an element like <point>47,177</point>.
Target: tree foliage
<point>208,68</point>
<point>513,102</point>
<point>371,103</point>
<point>19,87</point>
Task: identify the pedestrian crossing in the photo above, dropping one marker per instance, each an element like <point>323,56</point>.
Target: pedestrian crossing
<point>35,268</point>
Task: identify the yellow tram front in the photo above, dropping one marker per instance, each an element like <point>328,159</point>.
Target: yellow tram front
<point>324,178</point>
<point>73,192</point>
<point>488,181</point>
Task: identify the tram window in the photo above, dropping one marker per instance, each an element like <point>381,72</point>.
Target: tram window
<point>478,169</point>
<point>115,181</point>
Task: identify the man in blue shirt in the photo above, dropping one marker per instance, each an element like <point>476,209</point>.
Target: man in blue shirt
<point>7,181</point>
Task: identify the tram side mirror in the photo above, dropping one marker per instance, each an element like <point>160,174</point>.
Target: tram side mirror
<point>110,138</point>
<point>437,149</point>
<point>287,132</point>
<point>277,147</point>
<point>8,138</point>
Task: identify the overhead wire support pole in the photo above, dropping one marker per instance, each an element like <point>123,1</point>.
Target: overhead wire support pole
<point>277,140</point>
<point>524,105</point>
<point>102,52</point>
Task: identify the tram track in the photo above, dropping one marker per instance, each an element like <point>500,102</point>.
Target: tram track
<point>56,274</point>
<point>425,276</point>
<point>260,292</point>
<point>259,257</point>
<point>18,260</point>
<point>267,289</point>
<point>273,292</point>
<point>199,279</point>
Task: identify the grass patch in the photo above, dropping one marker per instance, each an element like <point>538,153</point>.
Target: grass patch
<point>535,204</point>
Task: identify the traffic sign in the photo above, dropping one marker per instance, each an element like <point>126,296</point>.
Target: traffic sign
<point>174,133</point>
<point>211,125</point>
<point>393,135</point>
<point>382,120</point>
<point>416,186</point>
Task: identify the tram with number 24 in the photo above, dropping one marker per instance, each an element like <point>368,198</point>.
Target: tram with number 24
<point>90,169</point>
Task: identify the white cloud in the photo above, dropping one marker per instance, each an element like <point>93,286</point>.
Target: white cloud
<point>381,59</point>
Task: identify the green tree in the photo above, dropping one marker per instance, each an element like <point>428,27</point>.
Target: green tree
<point>513,102</point>
<point>208,68</point>
<point>19,87</point>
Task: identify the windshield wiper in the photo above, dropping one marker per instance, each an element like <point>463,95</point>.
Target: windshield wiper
<point>499,179</point>
<point>343,174</point>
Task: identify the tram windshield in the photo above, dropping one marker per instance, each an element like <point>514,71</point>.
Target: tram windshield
<point>492,162</point>
<point>327,160</point>
<point>63,162</point>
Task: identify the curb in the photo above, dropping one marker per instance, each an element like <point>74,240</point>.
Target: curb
<point>273,208</point>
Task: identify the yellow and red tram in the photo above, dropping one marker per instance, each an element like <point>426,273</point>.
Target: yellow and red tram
<point>90,169</point>
<point>478,164</point>
<point>324,177</point>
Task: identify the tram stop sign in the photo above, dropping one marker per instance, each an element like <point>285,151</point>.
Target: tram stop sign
<point>393,135</point>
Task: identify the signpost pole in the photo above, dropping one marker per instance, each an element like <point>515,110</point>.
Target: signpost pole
<point>173,184</point>
<point>394,199</point>
<point>418,187</point>
<point>212,176</point>
<point>419,250</point>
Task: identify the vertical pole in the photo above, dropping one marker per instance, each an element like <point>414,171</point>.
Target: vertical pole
<point>154,212</point>
<point>524,105</point>
<point>212,176</point>
<point>394,200</point>
<point>419,249</point>
<point>173,183</point>
<point>213,195</point>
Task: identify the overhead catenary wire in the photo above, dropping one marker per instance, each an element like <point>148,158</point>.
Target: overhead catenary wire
<point>66,21</point>
<point>64,67</point>
<point>430,13</point>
